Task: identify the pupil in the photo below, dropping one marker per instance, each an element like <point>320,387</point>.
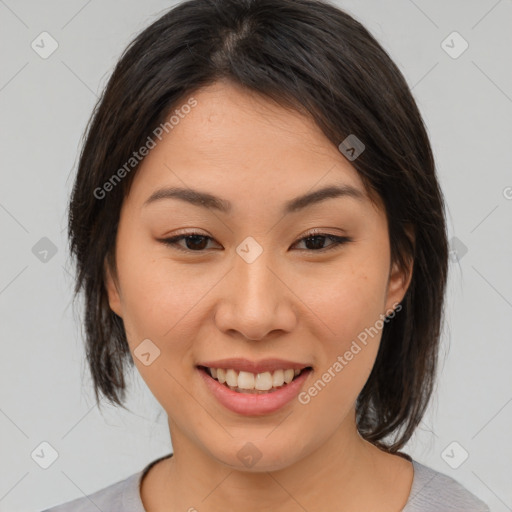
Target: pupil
<point>316,239</point>
<point>195,239</point>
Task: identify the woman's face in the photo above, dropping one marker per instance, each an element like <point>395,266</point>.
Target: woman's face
<point>248,284</point>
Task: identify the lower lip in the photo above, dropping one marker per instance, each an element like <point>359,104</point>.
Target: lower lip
<point>251,404</point>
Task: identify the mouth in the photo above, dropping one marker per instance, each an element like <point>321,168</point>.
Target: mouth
<point>253,388</point>
<point>254,383</point>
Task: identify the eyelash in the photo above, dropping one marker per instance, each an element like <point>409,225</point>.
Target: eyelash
<point>336,241</point>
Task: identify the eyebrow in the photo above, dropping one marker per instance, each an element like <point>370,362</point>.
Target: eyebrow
<point>207,200</point>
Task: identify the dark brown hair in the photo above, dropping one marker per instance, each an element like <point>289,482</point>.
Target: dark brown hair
<point>313,57</point>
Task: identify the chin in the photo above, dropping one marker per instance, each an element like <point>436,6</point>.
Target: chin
<point>258,456</point>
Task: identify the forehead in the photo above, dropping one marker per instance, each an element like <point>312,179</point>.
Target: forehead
<point>231,122</point>
<point>235,141</point>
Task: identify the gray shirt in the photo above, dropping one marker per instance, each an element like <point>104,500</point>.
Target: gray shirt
<point>431,491</point>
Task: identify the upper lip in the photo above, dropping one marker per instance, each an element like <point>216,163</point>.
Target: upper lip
<point>245,365</point>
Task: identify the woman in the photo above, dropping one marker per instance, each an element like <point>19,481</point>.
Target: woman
<point>259,229</point>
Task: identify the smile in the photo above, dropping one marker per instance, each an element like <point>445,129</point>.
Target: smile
<point>253,383</point>
<point>253,389</point>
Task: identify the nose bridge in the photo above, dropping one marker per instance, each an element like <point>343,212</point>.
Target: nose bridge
<point>255,286</point>
<point>254,301</point>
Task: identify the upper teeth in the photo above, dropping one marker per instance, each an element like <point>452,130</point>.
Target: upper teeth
<point>247,380</point>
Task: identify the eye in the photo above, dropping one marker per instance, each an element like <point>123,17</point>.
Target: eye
<point>194,242</point>
<point>197,242</point>
<point>315,241</point>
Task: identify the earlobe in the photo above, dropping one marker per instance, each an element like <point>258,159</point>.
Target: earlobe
<point>399,281</point>
<point>400,278</point>
<point>112,291</point>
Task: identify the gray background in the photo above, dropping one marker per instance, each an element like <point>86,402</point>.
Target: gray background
<point>45,391</point>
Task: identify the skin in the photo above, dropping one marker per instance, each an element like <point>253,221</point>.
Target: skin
<point>293,302</point>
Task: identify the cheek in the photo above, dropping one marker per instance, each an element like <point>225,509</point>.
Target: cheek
<point>159,304</point>
<point>350,340</point>
<point>346,299</point>
<point>157,296</point>
<point>348,305</point>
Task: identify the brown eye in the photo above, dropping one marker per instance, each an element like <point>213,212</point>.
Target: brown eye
<point>197,242</point>
<point>315,242</point>
<point>194,242</point>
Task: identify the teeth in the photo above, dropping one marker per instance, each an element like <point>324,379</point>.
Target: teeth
<point>263,381</point>
<point>247,381</point>
<point>221,375</point>
<point>278,378</point>
<point>288,375</point>
<point>231,378</point>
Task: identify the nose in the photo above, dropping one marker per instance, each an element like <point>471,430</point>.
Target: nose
<point>255,300</point>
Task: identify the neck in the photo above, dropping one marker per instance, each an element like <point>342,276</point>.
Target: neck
<point>346,473</point>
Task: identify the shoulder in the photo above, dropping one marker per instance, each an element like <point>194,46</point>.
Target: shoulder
<point>118,497</point>
<point>432,491</point>
<point>121,496</point>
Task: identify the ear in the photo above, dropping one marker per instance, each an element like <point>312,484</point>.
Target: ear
<point>112,288</point>
<point>399,279</point>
